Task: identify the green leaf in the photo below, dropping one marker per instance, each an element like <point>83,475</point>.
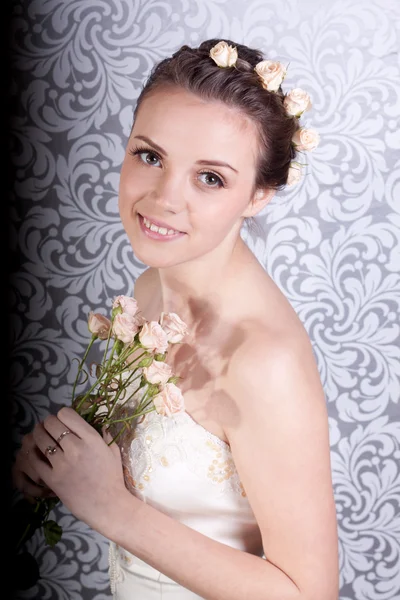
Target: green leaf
<point>52,532</point>
<point>52,502</point>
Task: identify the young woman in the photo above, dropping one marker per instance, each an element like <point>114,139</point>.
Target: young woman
<point>233,498</point>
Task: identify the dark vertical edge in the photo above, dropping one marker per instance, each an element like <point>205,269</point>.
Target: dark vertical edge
<point>8,262</point>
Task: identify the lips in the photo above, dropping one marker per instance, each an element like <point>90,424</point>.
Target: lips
<point>160,223</point>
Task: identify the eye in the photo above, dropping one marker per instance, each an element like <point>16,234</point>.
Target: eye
<point>148,157</point>
<point>212,180</point>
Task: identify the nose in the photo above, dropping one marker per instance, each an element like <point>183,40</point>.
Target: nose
<point>168,192</point>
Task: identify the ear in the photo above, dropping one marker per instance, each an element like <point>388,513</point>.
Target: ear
<point>259,200</point>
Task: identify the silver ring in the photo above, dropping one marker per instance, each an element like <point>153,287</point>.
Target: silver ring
<point>60,437</point>
<point>51,449</point>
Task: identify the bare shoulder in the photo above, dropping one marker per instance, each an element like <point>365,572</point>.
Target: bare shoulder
<point>280,446</point>
<point>276,357</point>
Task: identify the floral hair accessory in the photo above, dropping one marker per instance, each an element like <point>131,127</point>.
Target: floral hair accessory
<point>306,139</point>
<point>224,55</point>
<point>295,173</point>
<point>271,73</point>
<point>296,102</point>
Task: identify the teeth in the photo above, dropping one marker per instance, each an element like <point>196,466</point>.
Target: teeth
<point>161,230</point>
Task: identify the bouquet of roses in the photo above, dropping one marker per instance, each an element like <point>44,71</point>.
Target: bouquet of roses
<point>131,380</point>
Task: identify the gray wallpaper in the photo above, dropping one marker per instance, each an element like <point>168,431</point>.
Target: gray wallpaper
<point>332,243</point>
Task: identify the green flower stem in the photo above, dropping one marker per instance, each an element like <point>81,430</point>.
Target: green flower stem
<point>131,396</point>
<point>28,527</point>
<point>148,403</point>
<point>96,383</point>
<point>108,343</point>
<point>93,338</point>
<point>129,380</point>
<point>119,391</point>
<point>126,419</point>
<point>118,435</point>
<point>126,383</point>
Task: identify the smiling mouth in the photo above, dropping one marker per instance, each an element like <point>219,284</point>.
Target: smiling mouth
<point>158,228</point>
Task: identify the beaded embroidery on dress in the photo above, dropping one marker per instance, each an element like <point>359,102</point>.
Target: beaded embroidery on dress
<point>161,442</point>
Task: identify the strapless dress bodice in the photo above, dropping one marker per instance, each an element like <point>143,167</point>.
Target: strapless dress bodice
<point>179,467</point>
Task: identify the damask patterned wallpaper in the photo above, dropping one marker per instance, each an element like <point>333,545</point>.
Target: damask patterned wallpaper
<point>332,243</point>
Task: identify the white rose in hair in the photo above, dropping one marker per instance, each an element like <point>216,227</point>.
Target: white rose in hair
<point>224,55</point>
<point>272,73</point>
<point>296,102</point>
<point>294,174</point>
<point>306,139</point>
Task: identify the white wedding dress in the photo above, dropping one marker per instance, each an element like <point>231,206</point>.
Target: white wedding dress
<point>183,470</point>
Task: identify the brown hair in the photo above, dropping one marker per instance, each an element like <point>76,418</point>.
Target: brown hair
<point>193,70</point>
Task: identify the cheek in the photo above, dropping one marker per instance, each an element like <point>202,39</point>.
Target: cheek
<point>130,189</point>
<point>218,213</point>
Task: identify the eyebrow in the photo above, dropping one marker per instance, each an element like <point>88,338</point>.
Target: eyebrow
<point>218,163</point>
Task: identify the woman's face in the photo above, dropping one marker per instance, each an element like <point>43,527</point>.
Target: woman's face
<point>189,166</point>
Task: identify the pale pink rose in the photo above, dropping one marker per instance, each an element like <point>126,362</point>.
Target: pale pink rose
<point>169,401</point>
<point>296,102</point>
<point>127,304</point>
<point>173,326</point>
<point>125,327</point>
<point>224,55</point>
<point>153,337</point>
<point>272,73</point>
<point>157,372</point>
<point>294,174</point>
<point>99,325</point>
<point>306,139</point>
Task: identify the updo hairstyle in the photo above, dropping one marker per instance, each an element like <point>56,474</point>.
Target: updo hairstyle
<point>193,70</point>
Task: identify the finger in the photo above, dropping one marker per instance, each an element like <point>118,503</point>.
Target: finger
<point>58,431</point>
<point>21,468</point>
<point>46,444</point>
<point>29,469</point>
<point>32,489</point>
<point>70,418</point>
<point>28,481</point>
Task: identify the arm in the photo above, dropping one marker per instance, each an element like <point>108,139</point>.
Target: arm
<point>281,450</point>
<point>283,425</point>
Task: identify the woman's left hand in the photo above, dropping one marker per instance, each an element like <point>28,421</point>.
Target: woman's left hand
<point>82,470</point>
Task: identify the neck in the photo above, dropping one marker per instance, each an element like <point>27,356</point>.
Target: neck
<point>197,289</point>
